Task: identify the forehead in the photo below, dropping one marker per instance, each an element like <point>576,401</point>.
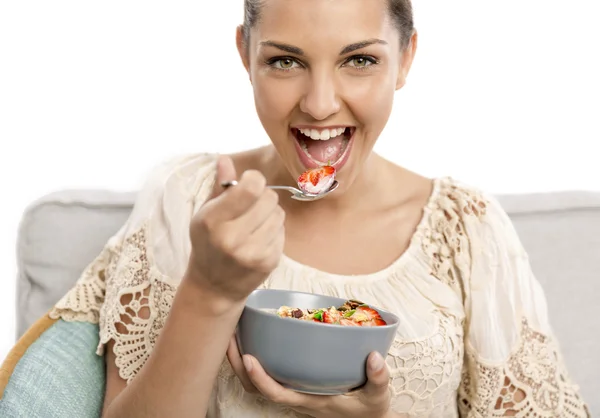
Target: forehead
<point>320,23</point>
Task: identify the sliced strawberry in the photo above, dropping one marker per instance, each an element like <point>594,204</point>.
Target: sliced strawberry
<point>369,312</point>
<point>379,322</point>
<point>327,318</point>
<point>315,174</point>
<point>330,317</point>
<point>310,179</point>
<point>306,177</point>
<point>310,176</point>
<point>349,323</point>
<point>374,319</point>
<point>373,323</point>
<point>327,170</point>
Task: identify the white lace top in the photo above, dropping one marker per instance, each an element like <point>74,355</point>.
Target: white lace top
<point>475,339</point>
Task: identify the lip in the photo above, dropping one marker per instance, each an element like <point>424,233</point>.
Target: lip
<point>308,163</point>
<point>319,128</point>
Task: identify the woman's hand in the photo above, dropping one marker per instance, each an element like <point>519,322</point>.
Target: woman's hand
<point>372,401</point>
<point>237,236</point>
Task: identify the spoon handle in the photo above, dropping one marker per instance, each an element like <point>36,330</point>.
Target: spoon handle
<point>290,189</point>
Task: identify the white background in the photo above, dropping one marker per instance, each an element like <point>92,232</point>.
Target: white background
<point>503,95</point>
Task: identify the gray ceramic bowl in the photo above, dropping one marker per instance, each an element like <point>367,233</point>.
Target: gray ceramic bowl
<point>306,356</point>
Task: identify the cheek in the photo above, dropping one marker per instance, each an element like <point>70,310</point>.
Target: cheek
<point>275,99</point>
<point>370,99</point>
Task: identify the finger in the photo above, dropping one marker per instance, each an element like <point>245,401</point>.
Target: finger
<point>277,393</point>
<point>274,251</point>
<point>225,172</point>
<point>250,234</point>
<point>257,215</point>
<point>238,199</point>
<point>267,232</point>
<point>235,359</point>
<point>262,249</point>
<point>378,377</point>
<point>277,244</point>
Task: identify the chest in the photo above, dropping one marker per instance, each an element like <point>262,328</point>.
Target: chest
<point>359,244</point>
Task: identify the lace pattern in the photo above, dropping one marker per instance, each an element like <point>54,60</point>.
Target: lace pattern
<point>130,299</point>
<point>425,374</point>
<point>445,241</point>
<point>532,383</point>
<point>83,301</point>
<point>138,301</point>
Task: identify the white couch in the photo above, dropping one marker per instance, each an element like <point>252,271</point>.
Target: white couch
<point>62,232</point>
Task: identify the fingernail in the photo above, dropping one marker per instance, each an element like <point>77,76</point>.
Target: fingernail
<point>247,363</point>
<point>376,362</point>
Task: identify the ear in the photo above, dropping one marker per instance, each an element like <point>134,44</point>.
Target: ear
<point>242,48</point>
<point>406,59</point>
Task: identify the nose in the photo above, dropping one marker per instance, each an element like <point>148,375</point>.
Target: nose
<point>321,99</point>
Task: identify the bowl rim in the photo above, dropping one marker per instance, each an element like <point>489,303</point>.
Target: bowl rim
<point>314,324</point>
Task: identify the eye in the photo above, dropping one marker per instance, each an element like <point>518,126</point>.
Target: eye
<point>361,61</point>
<point>284,64</point>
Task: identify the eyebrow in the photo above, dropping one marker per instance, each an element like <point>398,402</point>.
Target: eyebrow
<point>359,45</point>
<point>284,47</point>
<point>345,50</point>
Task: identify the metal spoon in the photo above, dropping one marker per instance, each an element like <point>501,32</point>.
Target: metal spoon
<point>297,194</point>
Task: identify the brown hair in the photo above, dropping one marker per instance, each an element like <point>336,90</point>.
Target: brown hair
<point>400,10</point>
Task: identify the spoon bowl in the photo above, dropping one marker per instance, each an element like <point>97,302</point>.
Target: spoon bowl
<point>297,194</point>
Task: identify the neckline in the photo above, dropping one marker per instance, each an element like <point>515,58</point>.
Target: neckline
<point>403,258</point>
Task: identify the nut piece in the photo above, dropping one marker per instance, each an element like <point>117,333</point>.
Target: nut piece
<point>350,305</point>
<point>297,313</point>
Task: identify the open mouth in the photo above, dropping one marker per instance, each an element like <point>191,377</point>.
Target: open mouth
<point>323,146</point>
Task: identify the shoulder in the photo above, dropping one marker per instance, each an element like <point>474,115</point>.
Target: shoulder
<point>186,169</point>
<point>183,175</point>
<point>173,188</point>
<point>453,211</point>
<point>478,218</point>
<point>467,226</point>
<point>467,204</point>
<point>462,201</point>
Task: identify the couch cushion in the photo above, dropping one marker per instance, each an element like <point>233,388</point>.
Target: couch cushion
<point>63,232</point>
<point>59,235</point>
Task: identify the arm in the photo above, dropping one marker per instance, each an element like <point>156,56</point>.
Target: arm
<point>177,385</point>
<point>513,365</point>
<point>168,340</point>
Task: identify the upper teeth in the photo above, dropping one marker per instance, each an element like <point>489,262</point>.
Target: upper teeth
<point>323,134</point>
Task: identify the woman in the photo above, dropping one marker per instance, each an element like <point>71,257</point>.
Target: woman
<point>169,288</point>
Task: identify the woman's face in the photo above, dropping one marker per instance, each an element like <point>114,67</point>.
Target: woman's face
<point>324,73</point>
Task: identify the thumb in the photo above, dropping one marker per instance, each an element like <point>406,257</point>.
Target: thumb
<point>225,172</point>
<point>378,375</point>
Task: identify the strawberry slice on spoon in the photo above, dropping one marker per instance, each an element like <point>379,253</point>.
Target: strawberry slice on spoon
<point>317,180</point>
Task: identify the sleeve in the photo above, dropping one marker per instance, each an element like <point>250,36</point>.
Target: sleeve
<point>513,365</point>
<point>129,288</point>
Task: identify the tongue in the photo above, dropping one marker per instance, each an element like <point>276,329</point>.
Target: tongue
<point>325,151</point>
